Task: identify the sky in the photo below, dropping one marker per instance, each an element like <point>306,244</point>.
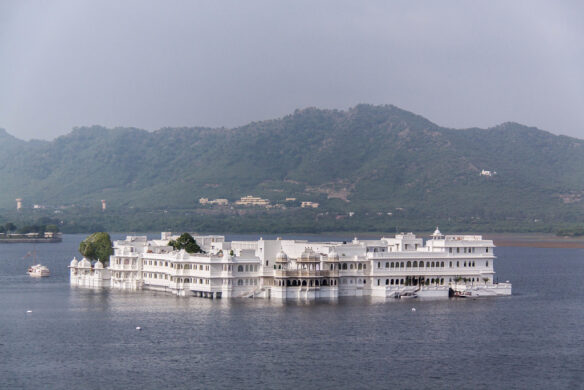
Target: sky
<point>153,64</point>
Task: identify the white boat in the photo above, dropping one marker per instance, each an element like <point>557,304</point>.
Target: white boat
<point>38,271</point>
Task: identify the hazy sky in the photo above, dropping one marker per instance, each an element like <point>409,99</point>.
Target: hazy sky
<point>151,64</point>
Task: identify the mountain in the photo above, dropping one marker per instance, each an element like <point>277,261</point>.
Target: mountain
<point>368,159</point>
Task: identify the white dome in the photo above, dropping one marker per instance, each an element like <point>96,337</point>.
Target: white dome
<point>73,263</point>
<point>281,257</point>
<point>98,265</point>
<point>308,255</point>
<point>437,233</point>
<point>84,263</point>
<point>333,255</point>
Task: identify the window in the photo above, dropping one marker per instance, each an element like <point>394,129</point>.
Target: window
<point>487,263</point>
<point>240,268</point>
<point>240,282</point>
<point>378,282</point>
<point>387,264</point>
<point>379,264</point>
<point>487,250</point>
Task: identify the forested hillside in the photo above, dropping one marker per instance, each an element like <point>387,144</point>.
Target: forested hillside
<point>370,160</point>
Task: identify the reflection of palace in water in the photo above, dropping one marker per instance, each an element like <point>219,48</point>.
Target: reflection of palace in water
<point>402,266</point>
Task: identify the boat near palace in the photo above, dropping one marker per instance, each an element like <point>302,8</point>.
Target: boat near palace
<point>403,266</point>
<point>38,271</point>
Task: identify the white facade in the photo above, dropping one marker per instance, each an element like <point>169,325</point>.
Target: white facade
<point>399,266</point>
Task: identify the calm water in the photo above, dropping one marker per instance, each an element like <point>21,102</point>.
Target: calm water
<point>81,338</point>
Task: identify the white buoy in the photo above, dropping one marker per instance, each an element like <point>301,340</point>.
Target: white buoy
<point>413,309</point>
<point>138,328</point>
<point>29,311</point>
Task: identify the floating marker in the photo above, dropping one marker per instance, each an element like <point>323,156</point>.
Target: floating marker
<point>29,311</point>
<point>413,309</point>
<point>138,328</point>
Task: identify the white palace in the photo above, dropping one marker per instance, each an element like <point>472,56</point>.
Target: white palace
<point>402,266</point>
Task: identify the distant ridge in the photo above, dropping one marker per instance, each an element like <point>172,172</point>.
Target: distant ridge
<point>367,159</point>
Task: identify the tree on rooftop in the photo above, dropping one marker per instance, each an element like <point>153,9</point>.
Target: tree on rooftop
<point>97,246</point>
<point>186,242</point>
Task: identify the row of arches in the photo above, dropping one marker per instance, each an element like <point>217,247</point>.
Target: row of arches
<point>307,283</point>
<point>358,266</point>
<point>411,281</point>
<point>410,264</point>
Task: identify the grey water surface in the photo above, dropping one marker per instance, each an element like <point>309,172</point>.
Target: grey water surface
<point>77,338</point>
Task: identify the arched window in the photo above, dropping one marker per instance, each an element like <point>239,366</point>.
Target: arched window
<point>433,265</point>
<point>392,264</point>
<point>379,264</point>
<point>458,263</point>
<point>415,264</point>
<point>360,266</point>
<point>487,263</point>
<point>351,265</point>
<point>344,265</point>
<point>442,265</point>
<point>427,264</point>
<point>364,281</point>
<point>293,283</point>
<point>421,264</point>
<point>391,282</point>
<point>378,282</point>
<point>240,282</point>
<point>401,281</point>
<point>316,282</point>
<point>240,268</point>
<point>387,281</point>
<point>387,264</point>
<point>332,265</point>
<point>409,264</point>
<point>401,265</point>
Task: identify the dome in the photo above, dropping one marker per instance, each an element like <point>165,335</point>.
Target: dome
<point>98,265</point>
<point>437,233</point>
<point>73,263</point>
<point>84,263</point>
<point>308,255</point>
<point>281,257</point>
<point>333,255</point>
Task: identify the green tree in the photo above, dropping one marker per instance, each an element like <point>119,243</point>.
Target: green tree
<point>97,246</point>
<point>10,227</point>
<point>52,228</point>
<point>186,242</point>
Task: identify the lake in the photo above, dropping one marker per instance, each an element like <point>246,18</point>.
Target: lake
<point>83,338</point>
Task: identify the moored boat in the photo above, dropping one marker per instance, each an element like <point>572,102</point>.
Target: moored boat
<point>38,271</point>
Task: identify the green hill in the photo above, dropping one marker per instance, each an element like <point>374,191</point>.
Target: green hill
<point>371,160</point>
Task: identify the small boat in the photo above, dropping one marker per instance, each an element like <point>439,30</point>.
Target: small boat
<point>462,294</point>
<point>408,295</point>
<point>38,271</point>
